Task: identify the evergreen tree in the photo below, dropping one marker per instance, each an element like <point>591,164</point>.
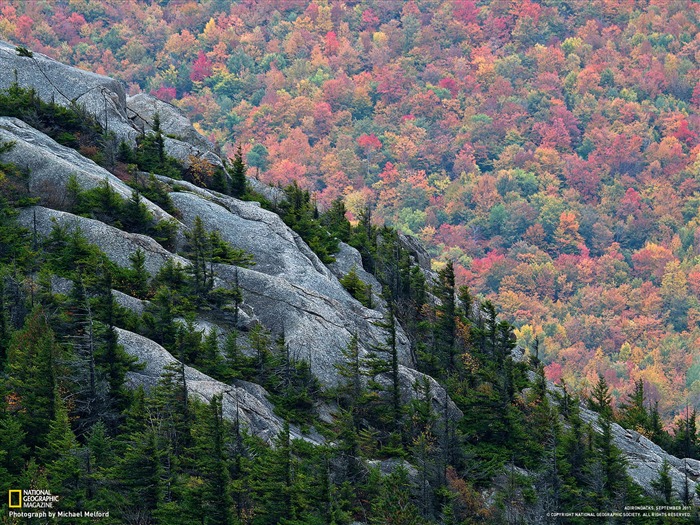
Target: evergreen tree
<point>600,399</point>
<point>355,287</point>
<point>91,401</point>
<point>334,219</point>
<point>685,438</point>
<point>112,361</point>
<point>239,185</point>
<point>140,472</point>
<point>212,463</point>
<point>445,292</point>
<point>384,360</point>
<point>391,502</point>
<point>199,253</point>
<point>138,276</point>
<point>633,413</point>
<point>13,450</point>
<point>61,457</point>
<point>136,217</point>
<point>32,366</point>
<point>663,485</point>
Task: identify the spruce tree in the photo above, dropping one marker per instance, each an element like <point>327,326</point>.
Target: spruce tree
<point>32,365</point>
<point>633,413</point>
<point>138,276</point>
<point>211,462</point>
<point>663,485</point>
<point>238,174</point>
<point>199,252</point>
<point>600,399</point>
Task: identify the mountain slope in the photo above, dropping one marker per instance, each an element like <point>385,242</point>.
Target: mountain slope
<point>292,293</point>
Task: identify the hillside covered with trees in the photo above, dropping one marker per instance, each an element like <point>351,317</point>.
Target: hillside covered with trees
<point>503,448</point>
<point>142,374</point>
<point>549,149</point>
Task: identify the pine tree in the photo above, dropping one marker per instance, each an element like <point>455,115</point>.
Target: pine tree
<point>13,450</point>
<point>238,174</point>
<point>112,361</point>
<point>199,253</point>
<point>601,400</point>
<point>91,401</point>
<point>355,287</point>
<point>138,276</point>
<point>32,365</point>
<point>663,485</point>
<point>135,216</point>
<point>60,455</point>
<point>211,461</point>
<point>336,222</point>
<point>445,292</point>
<point>140,472</point>
<point>391,502</point>
<point>384,360</point>
<point>159,318</point>
<point>633,413</point>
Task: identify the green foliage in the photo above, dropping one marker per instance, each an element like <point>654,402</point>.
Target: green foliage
<point>356,287</point>
<point>23,52</point>
<point>33,361</point>
<point>300,214</point>
<point>69,126</point>
<point>239,183</point>
<point>103,203</point>
<point>663,485</point>
<point>150,155</point>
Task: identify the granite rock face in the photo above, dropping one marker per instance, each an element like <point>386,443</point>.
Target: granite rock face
<point>347,259</point>
<point>51,165</point>
<point>246,402</point>
<point>105,99</point>
<point>142,109</point>
<point>100,96</point>
<point>289,288</point>
<point>117,244</point>
<point>645,458</point>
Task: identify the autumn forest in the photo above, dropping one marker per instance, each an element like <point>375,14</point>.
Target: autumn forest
<point>549,149</point>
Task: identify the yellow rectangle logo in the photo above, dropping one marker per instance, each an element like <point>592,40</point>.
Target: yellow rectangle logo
<point>15,495</point>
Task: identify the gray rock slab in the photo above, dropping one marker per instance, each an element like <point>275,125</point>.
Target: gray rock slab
<point>51,165</point>
<point>142,109</point>
<point>348,258</point>
<point>105,99</point>
<point>317,328</point>
<point>100,96</point>
<point>277,249</point>
<point>138,306</point>
<point>117,244</point>
<point>248,404</point>
<point>645,458</point>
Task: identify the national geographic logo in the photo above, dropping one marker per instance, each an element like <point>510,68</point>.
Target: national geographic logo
<point>31,499</point>
<point>15,499</point>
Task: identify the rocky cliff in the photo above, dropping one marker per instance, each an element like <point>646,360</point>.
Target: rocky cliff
<point>288,289</point>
